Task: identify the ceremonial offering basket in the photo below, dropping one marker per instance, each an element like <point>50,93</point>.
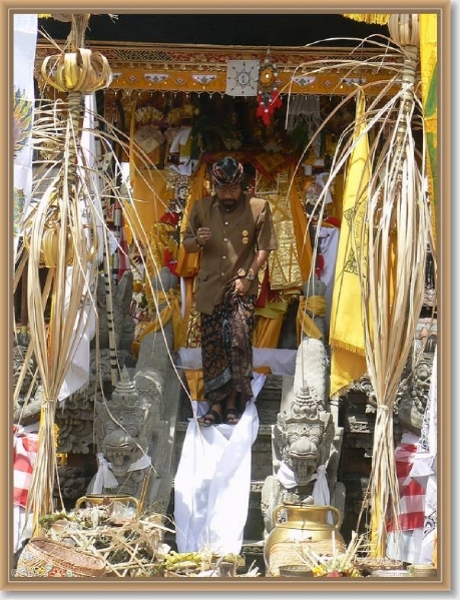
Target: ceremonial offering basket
<point>42,557</point>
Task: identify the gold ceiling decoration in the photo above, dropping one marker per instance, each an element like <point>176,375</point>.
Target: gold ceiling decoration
<point>203,68</point>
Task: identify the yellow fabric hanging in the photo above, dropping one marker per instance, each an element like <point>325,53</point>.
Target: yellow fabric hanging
<point>313,305</point>
<point>302,237</point>
<point>149,193</point>
<point>149,190</point>
<point>268,324</point>
<point>346,335</point>
<point>285,264</point>
<point>195,382</point>
<point>428,67</point>
<point>170,311</point>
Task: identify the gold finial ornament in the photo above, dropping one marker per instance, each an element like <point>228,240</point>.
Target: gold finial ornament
<point>404,29</point>
<point>80,71</point>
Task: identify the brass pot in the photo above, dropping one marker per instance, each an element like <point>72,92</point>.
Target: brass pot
<point>106,500</point>
<point>299,524</point>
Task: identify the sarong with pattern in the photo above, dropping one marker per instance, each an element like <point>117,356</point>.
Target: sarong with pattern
<point>226,345</point>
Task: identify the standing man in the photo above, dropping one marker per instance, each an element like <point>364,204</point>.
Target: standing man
<point>234,233</point>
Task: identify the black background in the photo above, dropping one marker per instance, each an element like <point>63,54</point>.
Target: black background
<point>222,29</point>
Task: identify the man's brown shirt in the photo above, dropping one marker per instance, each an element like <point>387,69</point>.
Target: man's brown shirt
<point>237,234</point>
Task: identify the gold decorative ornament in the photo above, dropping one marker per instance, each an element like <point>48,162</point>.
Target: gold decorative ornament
<point>268,97</point>
<point>80,71</point>
<point>267,76</point>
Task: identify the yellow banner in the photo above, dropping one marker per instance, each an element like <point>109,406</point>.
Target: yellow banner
<point>346,336</point>
<point>428,67</point>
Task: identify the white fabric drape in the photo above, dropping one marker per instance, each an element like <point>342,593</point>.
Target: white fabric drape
<point>212,484</point>
<point>424,468</point>
<point>280,361</point>
<point>78,374</point>
<point>329,244</point>
<point>25,42</point>
<point>104,477</point>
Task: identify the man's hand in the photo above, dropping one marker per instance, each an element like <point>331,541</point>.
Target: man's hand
<point>242,286</point>
<point>203,234</point>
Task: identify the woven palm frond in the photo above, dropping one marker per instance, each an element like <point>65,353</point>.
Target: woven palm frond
<point>65,231</point>
<point>392,232</point>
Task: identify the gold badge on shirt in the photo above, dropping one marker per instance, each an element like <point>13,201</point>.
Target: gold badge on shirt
<point>245,239</point>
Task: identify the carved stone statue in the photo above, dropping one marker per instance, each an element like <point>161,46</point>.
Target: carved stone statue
<point>306,439</point>
<point>124,325</point>
<point>303,441</point>
<point>414,389</point>
<point>133,428</point>
<point>123,427</point>
<point>303,436</point>
<point>315,288</point>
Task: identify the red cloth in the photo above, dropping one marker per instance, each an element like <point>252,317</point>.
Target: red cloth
<point>412,494</point>
<point>267,104</point>
<point>332,221</point>
<point>170,261</point>
<point>24,455</point>
<point>170,218</point>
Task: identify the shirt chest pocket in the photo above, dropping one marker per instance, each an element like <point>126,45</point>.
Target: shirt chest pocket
<point>202,276</point>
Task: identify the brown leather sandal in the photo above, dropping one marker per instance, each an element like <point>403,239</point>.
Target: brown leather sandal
<point>232,416</point>
<point>212,417</point>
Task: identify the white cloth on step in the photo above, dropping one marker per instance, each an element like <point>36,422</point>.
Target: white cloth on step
<point>280,361</point>
<point>212,484</point>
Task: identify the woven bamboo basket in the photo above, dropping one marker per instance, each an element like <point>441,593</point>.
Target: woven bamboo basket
<point>42,557</point>
<point>284,554</point>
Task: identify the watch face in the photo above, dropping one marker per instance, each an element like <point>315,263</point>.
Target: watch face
<point>250,276</point>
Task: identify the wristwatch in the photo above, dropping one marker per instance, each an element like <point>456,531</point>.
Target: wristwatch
<point>250,275</point>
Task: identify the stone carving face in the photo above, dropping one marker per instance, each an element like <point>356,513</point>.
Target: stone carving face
<point>413,394</point>
<point>121,450</point>
<point>301,452</point>
<point>304,434</point>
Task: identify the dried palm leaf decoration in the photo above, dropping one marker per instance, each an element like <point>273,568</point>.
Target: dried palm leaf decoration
<point>391,233</point>
<point>397,238</point>
<point>65,231</point>
<point>61,233</point>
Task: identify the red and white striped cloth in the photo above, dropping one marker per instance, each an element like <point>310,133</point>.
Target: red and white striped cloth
<point>24,455</point>
<point>412,494</point>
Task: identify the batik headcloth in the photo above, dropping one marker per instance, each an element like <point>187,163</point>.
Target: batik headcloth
<point>226,172</point>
